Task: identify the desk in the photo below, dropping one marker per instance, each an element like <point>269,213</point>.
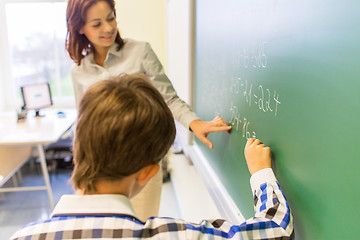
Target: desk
<point>33,131</point>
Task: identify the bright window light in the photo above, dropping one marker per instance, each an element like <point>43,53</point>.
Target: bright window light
<point>36,35</point>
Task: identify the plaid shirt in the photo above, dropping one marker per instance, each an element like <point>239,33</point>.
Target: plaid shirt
<point>112,216</point>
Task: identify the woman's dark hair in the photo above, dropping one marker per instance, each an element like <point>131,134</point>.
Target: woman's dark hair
<point>77,45</point>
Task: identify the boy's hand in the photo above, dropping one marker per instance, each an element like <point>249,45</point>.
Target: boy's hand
<point>257,155</point>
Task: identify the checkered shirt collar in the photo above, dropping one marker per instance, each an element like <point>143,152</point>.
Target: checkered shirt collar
<point>93,204</point>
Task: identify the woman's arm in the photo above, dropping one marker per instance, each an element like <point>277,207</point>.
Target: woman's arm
<point>182,111</point>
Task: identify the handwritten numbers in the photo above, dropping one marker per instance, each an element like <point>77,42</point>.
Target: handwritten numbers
<point>276,99</point>
<point>261,99</point>
<point>268,101</point>
<point>247,93</point>
<point>263,58</point>
<point>246,130</point>
<point>236,121</point>
<point>264,100</point>
<point>255,57</point>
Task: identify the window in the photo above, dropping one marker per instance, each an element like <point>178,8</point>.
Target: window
<point>36,32</point>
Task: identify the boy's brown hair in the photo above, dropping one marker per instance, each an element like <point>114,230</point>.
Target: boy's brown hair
<point>123,125</point>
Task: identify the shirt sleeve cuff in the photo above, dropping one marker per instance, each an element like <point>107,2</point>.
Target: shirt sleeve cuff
<point>189,120</point>
<point>260,177</point>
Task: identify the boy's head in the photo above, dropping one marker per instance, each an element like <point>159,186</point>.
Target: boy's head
<point>123,125</point>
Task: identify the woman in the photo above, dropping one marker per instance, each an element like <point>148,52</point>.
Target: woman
<point>94,43</point>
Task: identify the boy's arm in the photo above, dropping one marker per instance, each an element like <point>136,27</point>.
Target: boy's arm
<point>272,219</point>
<point>272,213</point>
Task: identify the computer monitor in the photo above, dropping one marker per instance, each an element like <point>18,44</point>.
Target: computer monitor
<point>36,96</point>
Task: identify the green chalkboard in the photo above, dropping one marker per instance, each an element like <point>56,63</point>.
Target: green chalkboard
<point>287,72</point>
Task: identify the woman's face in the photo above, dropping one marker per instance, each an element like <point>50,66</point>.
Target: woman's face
<point>100,27</point>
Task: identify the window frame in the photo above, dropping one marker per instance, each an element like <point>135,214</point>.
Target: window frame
<point>8,99</point>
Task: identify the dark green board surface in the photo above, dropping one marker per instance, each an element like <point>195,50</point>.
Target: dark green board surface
<point>287,72</point>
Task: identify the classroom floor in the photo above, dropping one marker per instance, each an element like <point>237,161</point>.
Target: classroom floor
<point>19,208</point>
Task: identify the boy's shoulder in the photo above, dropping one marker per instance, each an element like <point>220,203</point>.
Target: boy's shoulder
<point>113,227</point>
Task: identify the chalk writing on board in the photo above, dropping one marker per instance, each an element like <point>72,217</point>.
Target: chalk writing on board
<point>265,99</point>
<point>237,121</point>
<point>254,95</point>
<point>255,58</point>
<point>242,90</point>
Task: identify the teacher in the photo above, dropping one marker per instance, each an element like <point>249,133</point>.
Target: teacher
<point>94,43</point>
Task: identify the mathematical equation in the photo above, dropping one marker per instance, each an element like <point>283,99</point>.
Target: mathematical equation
<point>241,88</point>
<point>255,58</point>
<point>266,100</point>
<point>240,123</point>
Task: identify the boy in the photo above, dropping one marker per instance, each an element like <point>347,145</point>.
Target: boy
<point>124,129</point>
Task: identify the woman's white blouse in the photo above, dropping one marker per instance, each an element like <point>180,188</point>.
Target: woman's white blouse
<point>133,57</point>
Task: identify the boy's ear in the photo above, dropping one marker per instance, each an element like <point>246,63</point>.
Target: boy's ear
<point>146,173</point>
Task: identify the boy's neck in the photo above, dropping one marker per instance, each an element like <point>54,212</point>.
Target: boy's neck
<point>128,186</point>
<point>122,187</point>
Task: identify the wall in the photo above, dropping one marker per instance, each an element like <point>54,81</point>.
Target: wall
<point>180,63</point>
<point>144,20</point>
